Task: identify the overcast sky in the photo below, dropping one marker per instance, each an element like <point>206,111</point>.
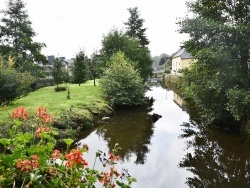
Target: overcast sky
<point>66,26</point>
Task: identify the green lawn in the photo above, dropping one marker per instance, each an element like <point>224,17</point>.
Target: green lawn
<point>85,96</point>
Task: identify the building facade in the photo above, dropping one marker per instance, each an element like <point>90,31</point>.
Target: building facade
<point>181,59</point>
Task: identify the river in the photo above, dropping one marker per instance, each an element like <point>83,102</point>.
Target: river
<point>172,152</point>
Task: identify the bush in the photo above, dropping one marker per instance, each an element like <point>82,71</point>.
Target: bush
<point>13,83</point>
<point>30,159</point>
<point>121,83</point>
<point>60,88</point>
<point>9,85</point>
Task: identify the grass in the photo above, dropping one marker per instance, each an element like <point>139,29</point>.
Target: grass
<point>86,96</point>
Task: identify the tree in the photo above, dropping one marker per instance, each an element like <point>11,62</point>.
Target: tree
<point>116,41</point>
<point>121,83</point>
<point>93,67</point>
<point>79,68</point>
<point>16,36</point>
<point>218,83</point>
<point>58,72</point>
<point>135,27</point>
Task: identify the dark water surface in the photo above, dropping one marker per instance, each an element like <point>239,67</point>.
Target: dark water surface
<point>171,152</point>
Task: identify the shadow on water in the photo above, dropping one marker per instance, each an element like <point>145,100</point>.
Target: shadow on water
<point>218,159</point>
<point>132,128</point>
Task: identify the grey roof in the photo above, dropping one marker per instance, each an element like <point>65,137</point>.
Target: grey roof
<point>183,54</point>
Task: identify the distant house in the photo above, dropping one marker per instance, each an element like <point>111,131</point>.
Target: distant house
<point>180,60</point>
<point>67,63</point>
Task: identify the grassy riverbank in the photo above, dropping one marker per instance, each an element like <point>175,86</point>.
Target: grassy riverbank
<point>85,102</point>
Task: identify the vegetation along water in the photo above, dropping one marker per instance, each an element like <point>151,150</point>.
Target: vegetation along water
<point>173,151</point>
<point>201,141</point>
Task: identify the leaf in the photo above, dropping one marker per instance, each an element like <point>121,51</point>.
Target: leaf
<point>68,141</point>
<point>5,141</point>
<point>17,122</point>
<point>54,133</point>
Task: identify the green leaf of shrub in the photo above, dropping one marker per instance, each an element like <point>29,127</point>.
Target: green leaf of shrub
<point>5,141</point>
<point>68,141</point>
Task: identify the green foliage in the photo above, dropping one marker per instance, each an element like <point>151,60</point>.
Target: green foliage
<point>160,60</point>
<point>30,158</point>
<point>79,68</point>
<point>167,71</point>
<point>239,103</point>
<point>58,72</point>
<point>36,70</point>
<point>60,88</point>
<point>219,40</point>
<point>121,83</point>
<point>118,41</point>
<point>135,27</point>
<point>13,83</point>
<point>93,67</point>
<point>16,36</point>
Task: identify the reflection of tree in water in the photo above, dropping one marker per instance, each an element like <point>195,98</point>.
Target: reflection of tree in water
<point>218,159</point>
<point>132,129</point>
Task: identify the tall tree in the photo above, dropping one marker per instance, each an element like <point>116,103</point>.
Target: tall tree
<point>79,68</point>
<point>218,83</point>
<point>135,27</point>
<point>16,35</point>
<point>116,41</point>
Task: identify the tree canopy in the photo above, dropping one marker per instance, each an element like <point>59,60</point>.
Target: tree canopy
<point>135,27</point>
<point>16,35</point>
<point>79,68</point>
<point>218,83</point>
<point>116,41</point>
<point>59,72</point>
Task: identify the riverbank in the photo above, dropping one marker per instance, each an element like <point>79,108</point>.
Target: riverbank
<point>173,82</point>
<point>84,108</point>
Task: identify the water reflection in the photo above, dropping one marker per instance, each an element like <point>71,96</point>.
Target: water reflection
<point>133,132</point>
<point>179,101</point>
<point>150,151</point>
<point>218,159</point>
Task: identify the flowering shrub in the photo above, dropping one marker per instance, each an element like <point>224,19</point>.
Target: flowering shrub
<point>30,159</point>
<point>20,113</point>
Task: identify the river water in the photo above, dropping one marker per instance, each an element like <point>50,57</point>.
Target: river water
<point>172,152</point>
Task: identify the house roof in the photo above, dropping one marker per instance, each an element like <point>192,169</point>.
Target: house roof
<point>183,54</point>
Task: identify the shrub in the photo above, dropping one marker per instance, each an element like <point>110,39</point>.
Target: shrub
<point>13,83</point>
<point>30,159</point>
<point>121,83</point>
<point>60,88</point>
